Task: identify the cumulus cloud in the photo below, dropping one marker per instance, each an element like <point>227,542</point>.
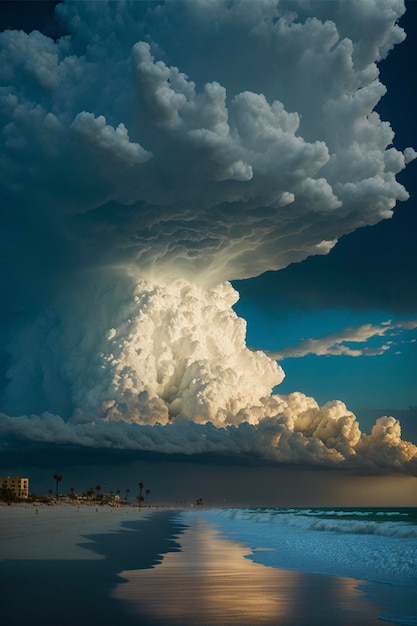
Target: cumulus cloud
<point>113,142</point>
<point>155,152</point>
<point>335,343</point>
<point>211,166</point>
<point>174,375</point>
<point>327,436</point>
<point>149,353</point>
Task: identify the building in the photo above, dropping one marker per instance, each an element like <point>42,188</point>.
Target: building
<point>18,486</point>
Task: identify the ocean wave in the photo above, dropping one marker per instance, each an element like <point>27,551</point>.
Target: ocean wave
<point>339,521</point>
<point>312,540</point>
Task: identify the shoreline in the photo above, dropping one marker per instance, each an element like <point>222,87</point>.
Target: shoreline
<point>65,572</point>
<point>155,567</point>
<point>25,528</point>
<point>212,581</point>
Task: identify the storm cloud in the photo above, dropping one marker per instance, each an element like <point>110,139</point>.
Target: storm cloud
<point>151,155</point>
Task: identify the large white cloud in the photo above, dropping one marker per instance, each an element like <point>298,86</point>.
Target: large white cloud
<point>243,135</point>
<point>174,375</point>
<point>154,153</point>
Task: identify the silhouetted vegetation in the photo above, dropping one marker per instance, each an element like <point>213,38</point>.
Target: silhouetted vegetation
<point>57,479</point>
<point>140,497</point>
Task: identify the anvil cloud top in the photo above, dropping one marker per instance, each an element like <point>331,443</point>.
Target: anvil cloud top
<point>150,155</point>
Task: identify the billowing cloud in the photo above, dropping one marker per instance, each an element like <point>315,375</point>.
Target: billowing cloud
<point>151,155</point>
<point>335,343</point>
<point>327,436</point>
<point>174,375</point>
<point>206,166</point>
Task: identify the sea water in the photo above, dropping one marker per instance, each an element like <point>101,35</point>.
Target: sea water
<point>376,545</point>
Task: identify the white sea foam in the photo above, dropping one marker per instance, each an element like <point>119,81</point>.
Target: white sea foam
<point>330,521</point>
<point>298,540</point>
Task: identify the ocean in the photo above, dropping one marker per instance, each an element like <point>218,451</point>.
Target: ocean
<point>376,545</point>
<point>208,567</point>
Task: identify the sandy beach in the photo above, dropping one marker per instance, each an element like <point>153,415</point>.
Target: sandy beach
<point>59,565</point>
<point>63,565</point>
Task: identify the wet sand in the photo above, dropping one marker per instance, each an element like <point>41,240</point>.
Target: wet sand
<point>210,581</point>
<point>62,567</point>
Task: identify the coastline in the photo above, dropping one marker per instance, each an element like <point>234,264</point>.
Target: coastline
<point>212,582</point>
<point>60,565</point>
<point>53,531</point>
<point>157,567</point>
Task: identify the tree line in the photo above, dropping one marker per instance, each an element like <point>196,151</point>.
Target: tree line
<point>95,493</point>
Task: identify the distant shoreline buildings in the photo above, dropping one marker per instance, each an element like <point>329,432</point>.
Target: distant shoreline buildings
<point>15,485</point>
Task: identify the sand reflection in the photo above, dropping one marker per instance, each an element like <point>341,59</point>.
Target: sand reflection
<point>211,582</point>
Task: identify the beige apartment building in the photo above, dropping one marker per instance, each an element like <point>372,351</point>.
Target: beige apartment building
<point>17,485</point>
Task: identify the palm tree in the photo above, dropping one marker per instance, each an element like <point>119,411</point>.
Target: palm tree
<point>140,496</point>
<point>127,494</point>
<point>57,479</point>
<point>98,487</point>
<point>148,493</point>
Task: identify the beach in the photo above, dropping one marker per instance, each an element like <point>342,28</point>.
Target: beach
<point>59,564</point>
<point>63,564</point>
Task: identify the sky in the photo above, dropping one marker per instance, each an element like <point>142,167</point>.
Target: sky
<point>208,246</point>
